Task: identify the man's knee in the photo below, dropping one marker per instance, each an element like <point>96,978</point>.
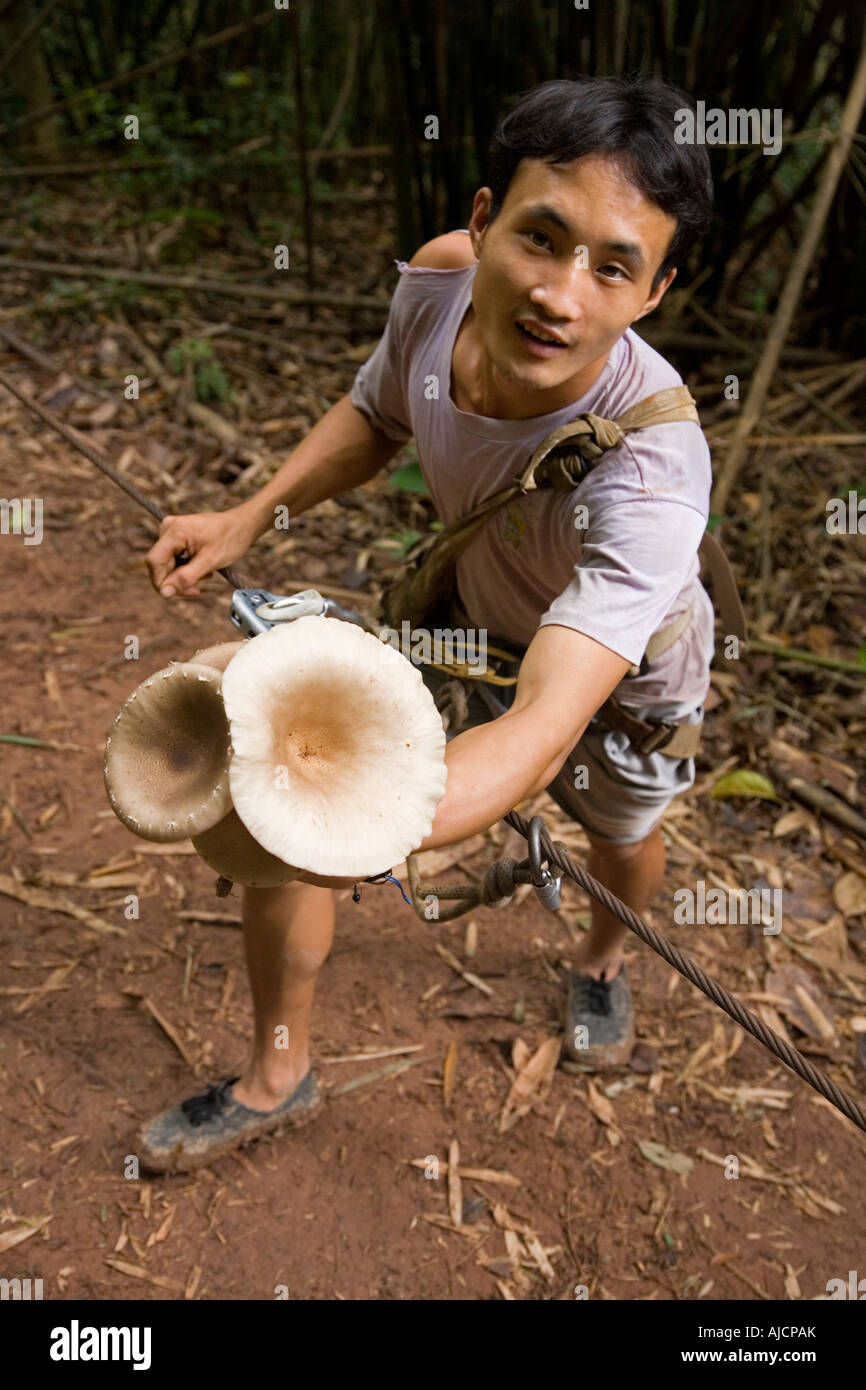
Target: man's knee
<point>625,854</point>
<point>304,961</point>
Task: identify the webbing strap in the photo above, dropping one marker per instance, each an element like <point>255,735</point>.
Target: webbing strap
<point>665,637</point>
<point>560,461</point>
<point>591,435</point>
<point>673,740</point>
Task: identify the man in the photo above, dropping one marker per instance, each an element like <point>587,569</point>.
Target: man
<point>496,336</point>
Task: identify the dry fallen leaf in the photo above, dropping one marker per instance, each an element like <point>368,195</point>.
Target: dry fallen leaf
<point>792,1287</point>
<point>449,1073</point>
<point>19,1233</point>
<point>455,1187</point>
<point>849,894</point>
<point>532,1082</point>
<point>801,1000</point>
<point>791,821</point>
<point>664,1157</point>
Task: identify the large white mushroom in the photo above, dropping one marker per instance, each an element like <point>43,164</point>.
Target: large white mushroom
<point>167,755</point>
<point>337,762</point>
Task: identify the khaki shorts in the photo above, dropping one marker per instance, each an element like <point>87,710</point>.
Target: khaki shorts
<point>614,792</point>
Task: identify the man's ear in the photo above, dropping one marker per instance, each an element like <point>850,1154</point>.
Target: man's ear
<point>480,219</point>
<point>657,295</point>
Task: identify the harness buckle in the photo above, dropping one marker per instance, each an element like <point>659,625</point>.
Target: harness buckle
<point>658,737</point>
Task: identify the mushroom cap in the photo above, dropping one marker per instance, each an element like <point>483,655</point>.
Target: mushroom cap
<point>229,848</point>
<point>219,656</point>
<point>167,755</point>
<point>337,748</point>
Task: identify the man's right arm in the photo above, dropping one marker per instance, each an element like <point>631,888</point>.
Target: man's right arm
<point>341,451</point>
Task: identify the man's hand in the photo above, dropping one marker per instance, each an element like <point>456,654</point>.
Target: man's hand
<point>564,678</point>
<point>213,540</point>
<point>342,451</point>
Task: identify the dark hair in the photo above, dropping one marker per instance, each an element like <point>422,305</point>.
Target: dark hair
<point>629,120</point>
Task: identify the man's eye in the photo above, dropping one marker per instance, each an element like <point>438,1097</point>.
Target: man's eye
<point>612,271</point>
<point>542,238</point>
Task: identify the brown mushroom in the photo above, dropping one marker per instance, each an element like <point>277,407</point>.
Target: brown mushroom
<point>167,755</point>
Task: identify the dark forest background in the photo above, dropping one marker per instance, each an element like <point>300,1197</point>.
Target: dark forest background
<point>331,101</point>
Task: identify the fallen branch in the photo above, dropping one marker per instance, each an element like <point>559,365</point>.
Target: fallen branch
<point>219,919</point>
<point>37,897</point>
<point>163,640</point>
<point>820,799</point>
<point>160,1281</point>
<point>367,1080</point>
<point>451,960</point>
<point>239,289</point>
<point>22,823</point>
<point>199,414</point>
<point>474,1174</point>
<point>170,1032</point>
<point>57,171</point>
<point>831,663</point>
<point>795,387</point>
<point>371,1056</point>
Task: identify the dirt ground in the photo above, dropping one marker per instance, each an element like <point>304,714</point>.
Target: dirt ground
<point>107,1021</point>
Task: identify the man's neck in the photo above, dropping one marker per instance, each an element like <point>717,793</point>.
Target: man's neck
<point>478,388</point>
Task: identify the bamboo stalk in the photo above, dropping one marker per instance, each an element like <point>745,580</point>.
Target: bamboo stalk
<point>830,663</point>
<point>793,287</point>
<point>788,441</point>
<point>212,41</point>
<point>303,155</point>
<point>26,35</point>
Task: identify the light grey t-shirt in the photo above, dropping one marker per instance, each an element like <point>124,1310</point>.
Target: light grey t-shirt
<point>633,567</point>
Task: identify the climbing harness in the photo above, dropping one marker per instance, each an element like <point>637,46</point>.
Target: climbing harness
<point>562,461</point>
<point>256,610</point>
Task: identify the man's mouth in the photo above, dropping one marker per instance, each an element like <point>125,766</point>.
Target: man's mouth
<point>541,342</point>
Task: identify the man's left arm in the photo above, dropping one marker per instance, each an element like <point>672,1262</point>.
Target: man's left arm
<point>564,678</point>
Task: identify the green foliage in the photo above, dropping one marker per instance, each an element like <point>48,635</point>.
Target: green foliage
<point>401,541</point>
<point>211,382</point>
<point>743,782</point>
<point>409,478</point>
<point>762,295</point>
<point>35,209</point>
<point>66,295</point>
<point>123,295</point>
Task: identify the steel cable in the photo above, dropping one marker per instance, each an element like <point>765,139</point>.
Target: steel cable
<point>558,855</point>
<point>73,438</point>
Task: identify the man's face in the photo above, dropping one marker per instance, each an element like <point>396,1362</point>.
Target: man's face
<point>570,256</point>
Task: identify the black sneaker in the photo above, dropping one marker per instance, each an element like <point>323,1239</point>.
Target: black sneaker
<point>205,1127</point>
<point>599,1022</point>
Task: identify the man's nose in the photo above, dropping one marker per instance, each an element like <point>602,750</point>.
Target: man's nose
<point>561,296</point>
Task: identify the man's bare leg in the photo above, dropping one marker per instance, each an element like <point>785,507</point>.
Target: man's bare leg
<point>635,873</point>
<point>287,936</point>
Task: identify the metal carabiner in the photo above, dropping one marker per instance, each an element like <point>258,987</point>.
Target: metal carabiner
<point>257,610</point>
<point>548,888</point>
